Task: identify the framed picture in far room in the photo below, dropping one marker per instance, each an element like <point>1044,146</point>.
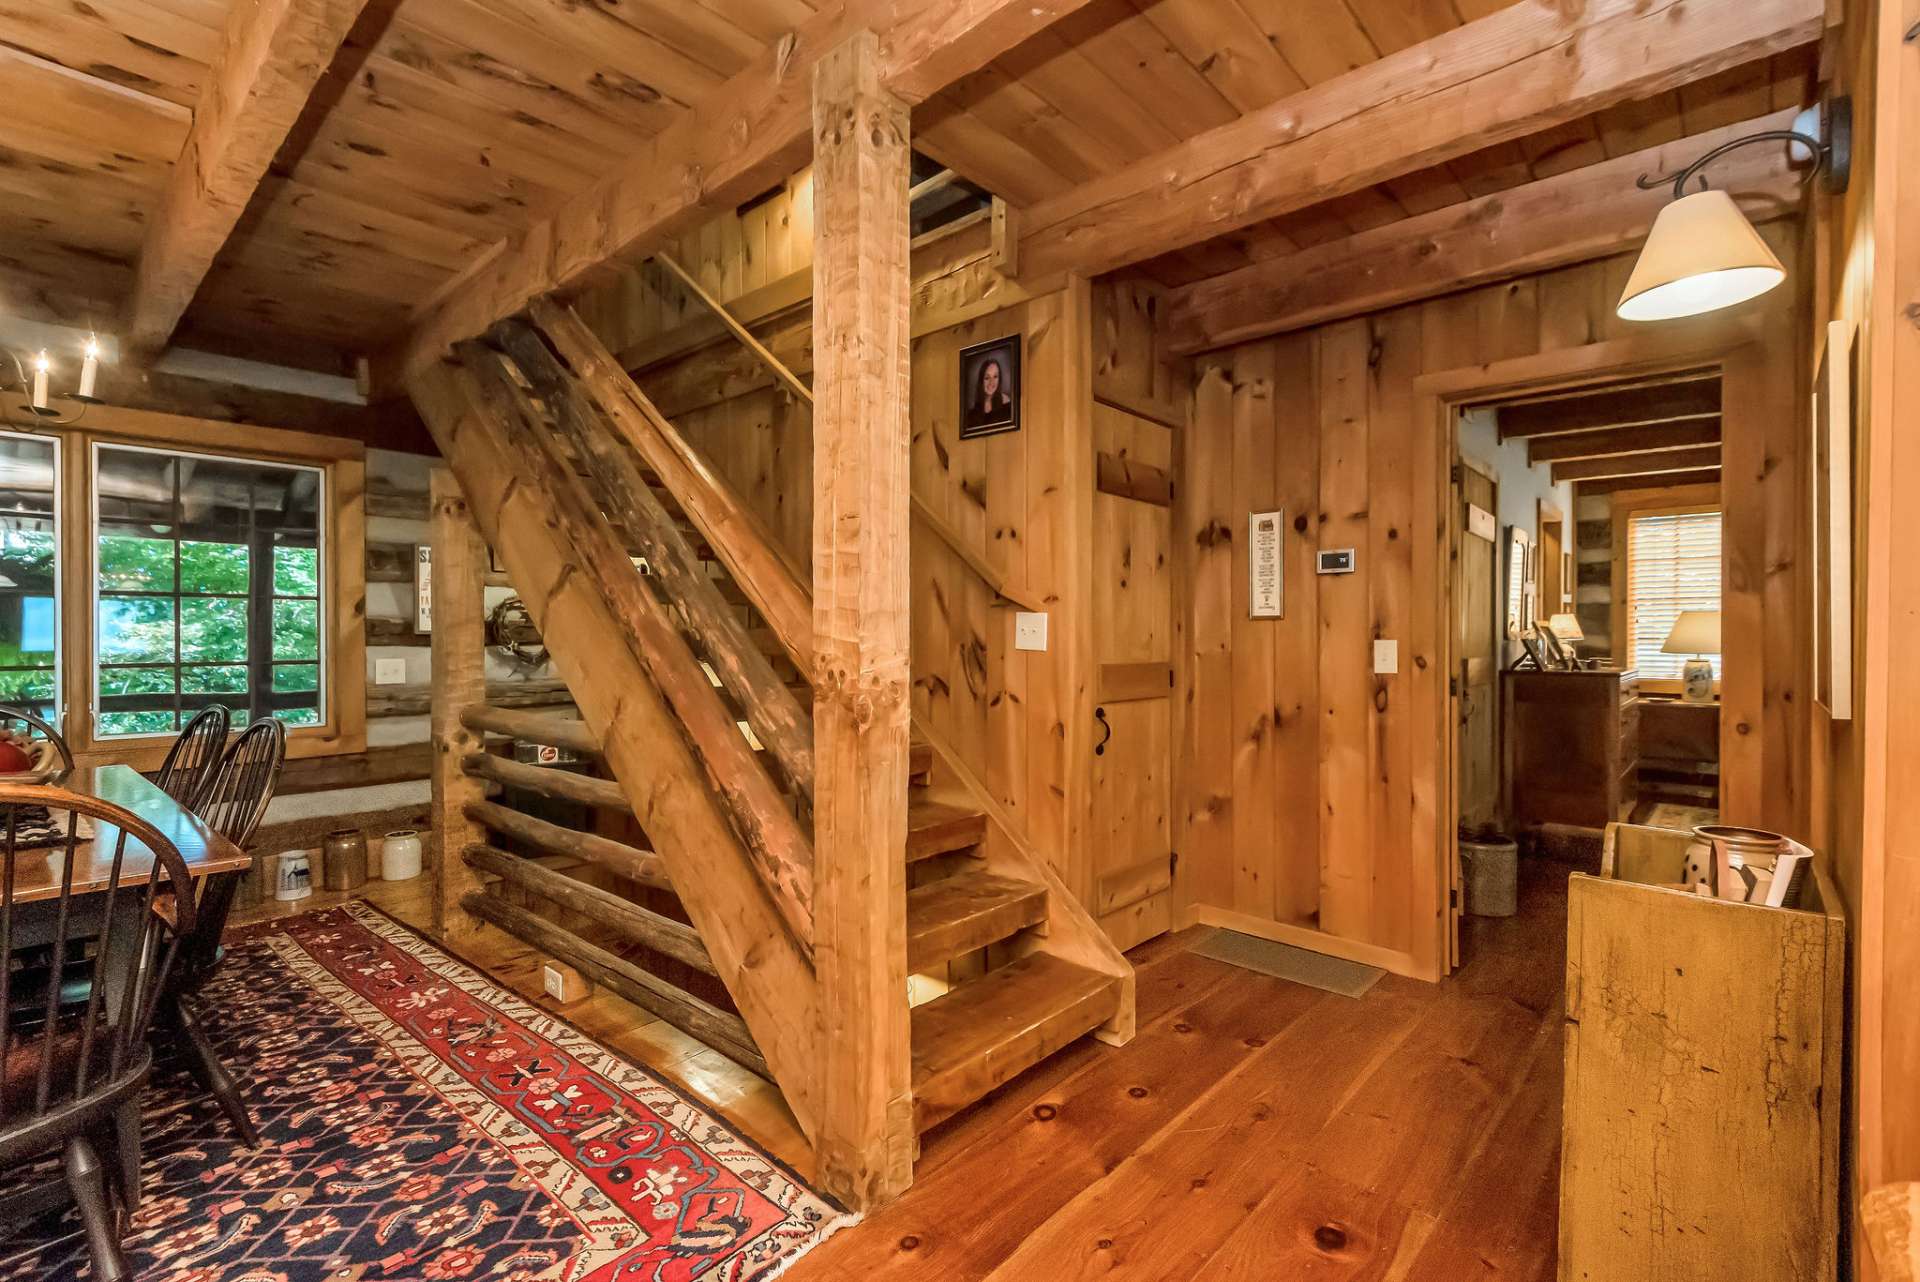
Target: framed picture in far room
<point>990,387</point>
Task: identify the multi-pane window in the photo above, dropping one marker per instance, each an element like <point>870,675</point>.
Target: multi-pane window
<point>207,589</point>
<point>29,574</point>
<point>1673,565</point>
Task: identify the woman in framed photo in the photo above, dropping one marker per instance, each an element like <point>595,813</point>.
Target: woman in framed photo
<point>990,387</point>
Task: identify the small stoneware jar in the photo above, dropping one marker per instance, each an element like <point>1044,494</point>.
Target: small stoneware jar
<point>343,860</point>
<point>400,855</point>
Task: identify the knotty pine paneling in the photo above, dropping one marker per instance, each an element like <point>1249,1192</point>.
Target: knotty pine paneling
<point>1008,714</point>
<point>1310,790</point>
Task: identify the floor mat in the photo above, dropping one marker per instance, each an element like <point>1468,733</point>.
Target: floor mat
<point>1284,961</point>
<point>422,1122</point>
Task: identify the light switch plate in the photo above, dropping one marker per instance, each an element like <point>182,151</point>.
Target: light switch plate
<point>1386,658</point>
<point>389,672</point>
<point>1029,631</point>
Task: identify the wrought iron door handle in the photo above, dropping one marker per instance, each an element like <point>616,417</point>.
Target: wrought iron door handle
<point>1100,715</point>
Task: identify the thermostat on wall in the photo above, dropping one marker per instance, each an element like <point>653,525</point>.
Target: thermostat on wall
<point>1336,561</point>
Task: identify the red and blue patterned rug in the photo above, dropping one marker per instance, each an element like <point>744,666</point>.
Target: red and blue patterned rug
<point>421,1122</point>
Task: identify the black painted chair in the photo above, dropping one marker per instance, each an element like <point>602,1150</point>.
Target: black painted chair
<point>72,1068</point>
<point>233,805</point>
<point>192,764</point>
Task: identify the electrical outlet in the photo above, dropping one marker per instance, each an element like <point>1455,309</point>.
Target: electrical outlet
<point>554,982</point>
<point>1029,631</point>
<point>389,672</point>
<point>1386,658</point>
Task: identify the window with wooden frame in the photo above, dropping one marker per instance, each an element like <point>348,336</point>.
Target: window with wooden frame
<point>30,572</point>
<point>1673,566</point>
<point>199,562</point>
<point>207,589</point>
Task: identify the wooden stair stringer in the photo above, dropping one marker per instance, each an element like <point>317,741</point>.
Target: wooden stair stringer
<point>1068,931</point>
<point>765,971</point>
<point>782,597</point>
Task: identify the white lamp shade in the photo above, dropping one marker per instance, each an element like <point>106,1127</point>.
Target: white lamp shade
<point>1566,627</point>
<point>1694,632</point>
<point>1701,255</point>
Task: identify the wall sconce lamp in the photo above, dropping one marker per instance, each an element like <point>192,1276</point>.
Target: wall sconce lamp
<point>34,386</point>
<point>1702,253</point>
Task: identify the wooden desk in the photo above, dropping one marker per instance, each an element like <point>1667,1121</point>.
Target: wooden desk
<point>1571,746</point>
<point>38,872</point>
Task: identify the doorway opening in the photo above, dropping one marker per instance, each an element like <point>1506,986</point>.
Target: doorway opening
<point>1586,598</point>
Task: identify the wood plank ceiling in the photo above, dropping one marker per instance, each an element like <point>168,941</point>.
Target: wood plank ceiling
<point>452,124</point>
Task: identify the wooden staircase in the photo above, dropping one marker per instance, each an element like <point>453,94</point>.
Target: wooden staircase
<point>572,472</point>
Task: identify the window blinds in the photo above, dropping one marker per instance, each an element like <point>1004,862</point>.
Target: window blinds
<point>1673,564</point>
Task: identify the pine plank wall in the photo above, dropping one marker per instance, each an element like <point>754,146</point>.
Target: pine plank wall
<point>1023,502</point>
<point>1316,788</point>
<point>1281,786</point>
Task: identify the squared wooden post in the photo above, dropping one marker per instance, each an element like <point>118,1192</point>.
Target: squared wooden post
<point>459,679</point>
<point>861,313</point>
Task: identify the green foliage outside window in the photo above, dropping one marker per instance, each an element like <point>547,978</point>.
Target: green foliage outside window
<point>128,564</point>
<point>179,538</point>
<point>296,571</point>
<point>213,567</point>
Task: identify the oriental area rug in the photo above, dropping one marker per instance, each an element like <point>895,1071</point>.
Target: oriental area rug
<point>421,1122</point>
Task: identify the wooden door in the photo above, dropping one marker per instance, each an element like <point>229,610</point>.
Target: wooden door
<point>1130,846</point>
<point>1476,650</point>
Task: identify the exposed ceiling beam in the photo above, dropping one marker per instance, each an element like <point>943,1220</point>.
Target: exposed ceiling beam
<point>1573,217</point>
<point>1521,70</point>
<point>753,131</point>
<point>271,56</point>
<point>1623,407</point>
<point>1661,481</point>
<point>1608,441</point>
<point>1647,464</point>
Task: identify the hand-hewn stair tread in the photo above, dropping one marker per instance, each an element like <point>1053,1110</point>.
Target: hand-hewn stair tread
<point>936,828</point>
<point>991,1029</point>
<point>954,916</point>
<point>919,760</point>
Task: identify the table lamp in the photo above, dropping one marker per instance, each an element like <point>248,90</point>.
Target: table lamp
<point>1695,632</point>
<point>1567,630</point>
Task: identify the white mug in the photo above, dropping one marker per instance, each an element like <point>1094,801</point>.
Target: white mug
<point>294,879</point>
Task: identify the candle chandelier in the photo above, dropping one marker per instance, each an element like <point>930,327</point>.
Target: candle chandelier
<point>33,380</point>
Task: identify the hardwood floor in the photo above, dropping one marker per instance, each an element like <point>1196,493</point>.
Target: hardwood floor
<point>1258,1129</point>
<point>1253,1129</point>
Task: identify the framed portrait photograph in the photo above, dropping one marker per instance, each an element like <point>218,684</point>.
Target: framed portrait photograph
<point>990,387</point>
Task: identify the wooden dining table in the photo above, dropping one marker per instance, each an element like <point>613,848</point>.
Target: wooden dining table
<point>38,873</point>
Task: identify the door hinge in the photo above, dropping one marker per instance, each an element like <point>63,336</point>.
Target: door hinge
<point>1453,897</point>
<point>1453,686</point>
<point>1456,474</point>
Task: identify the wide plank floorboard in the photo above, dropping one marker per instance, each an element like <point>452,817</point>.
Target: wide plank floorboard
<point>1254,1128</point>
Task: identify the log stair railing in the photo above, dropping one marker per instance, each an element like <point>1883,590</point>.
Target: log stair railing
<point>977,881</point>
<point>612,922</point>
<point>724,831</point>
<point>577,481</point>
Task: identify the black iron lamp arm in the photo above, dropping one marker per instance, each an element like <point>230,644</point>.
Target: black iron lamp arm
<point>1821,152</point>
